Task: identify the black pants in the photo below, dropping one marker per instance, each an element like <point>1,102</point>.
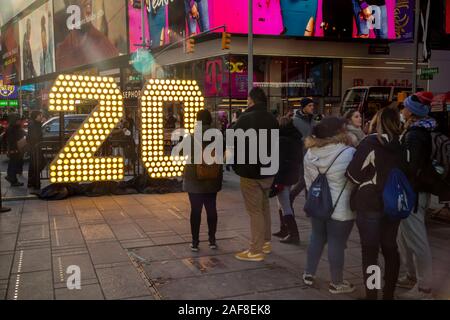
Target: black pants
<point>376,233</point>
<point>208,200</point>
<point>37,164</point>
<point>15,166</point>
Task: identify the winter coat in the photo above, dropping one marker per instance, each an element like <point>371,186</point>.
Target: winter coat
<point>369,170</point>
<point>417,144</point>
<point>256,117</point>
<point>291,156</point>
<point>321,153</point>
<point>192,184</point>
<point>355,134</point>
<point>34,136</point>
<point>304,123</point>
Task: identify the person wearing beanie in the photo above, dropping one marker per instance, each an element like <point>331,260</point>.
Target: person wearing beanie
<point>329,153</point>
<point>304,120</point>
<point>413,240</point>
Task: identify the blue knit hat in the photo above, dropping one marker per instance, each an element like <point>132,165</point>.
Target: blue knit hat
<point>416,107</point>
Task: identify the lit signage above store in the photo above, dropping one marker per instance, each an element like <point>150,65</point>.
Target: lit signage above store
<point>8,96</point>
<point>77,161</point>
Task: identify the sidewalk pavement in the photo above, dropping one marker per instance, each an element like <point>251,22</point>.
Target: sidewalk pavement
<point>137,247</point>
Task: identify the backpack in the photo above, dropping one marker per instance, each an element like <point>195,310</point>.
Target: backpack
<point>319,203</point>
<point>399,198</point>
<point>440,154</point>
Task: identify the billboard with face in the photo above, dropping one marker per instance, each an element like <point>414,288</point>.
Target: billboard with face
<point>89,31</point>
<point>10,53</point>
<point>36,41</point>
<point>333,19</point>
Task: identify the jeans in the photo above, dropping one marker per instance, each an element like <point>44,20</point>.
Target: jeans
<point>336,234</point>
<point>203,11</point>
<point>414,247</point>
<point>284,202</point>
<point>256,198</point>
<point>300,185</point>
<point>15,167</point>
<point>363,26</point>
<point>209,201</point>
<point>377,231</point>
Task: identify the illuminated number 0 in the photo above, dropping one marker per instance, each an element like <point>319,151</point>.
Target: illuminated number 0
<point>155,94</point>
<point>76,163</point>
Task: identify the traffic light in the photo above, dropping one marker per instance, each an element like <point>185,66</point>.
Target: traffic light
<point>190,45</point>
<point>226,41</point>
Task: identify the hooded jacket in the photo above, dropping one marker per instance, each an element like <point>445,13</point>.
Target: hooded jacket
<point>304,123</point>
<point>291,156</point>
<point>256,117</point>
<point>321,153</point>
<point>417,144</point>
<point>369,170</point>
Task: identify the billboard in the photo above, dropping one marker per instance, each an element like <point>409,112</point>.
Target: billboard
<point>332,19</point>
<point>89,31</point>
<point>10,52</point>
<point>36,39</point>
<point>135,24</point>
<point>9,96</point>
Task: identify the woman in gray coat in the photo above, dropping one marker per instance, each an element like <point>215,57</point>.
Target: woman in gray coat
<point>202,189</point>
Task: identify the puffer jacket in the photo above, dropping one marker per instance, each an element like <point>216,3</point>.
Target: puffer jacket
<point>321,153</point>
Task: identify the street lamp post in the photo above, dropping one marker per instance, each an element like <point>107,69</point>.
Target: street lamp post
<point>416,45</point>
<point>250,45</point>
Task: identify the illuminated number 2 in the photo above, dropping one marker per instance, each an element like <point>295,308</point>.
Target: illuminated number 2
<point>156,93</point>
<point>77,163</point>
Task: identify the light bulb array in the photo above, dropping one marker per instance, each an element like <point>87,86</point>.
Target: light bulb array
<point>76,162</point>
<point>155,94</point>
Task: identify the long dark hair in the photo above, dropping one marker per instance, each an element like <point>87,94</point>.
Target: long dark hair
<point>388,122</point>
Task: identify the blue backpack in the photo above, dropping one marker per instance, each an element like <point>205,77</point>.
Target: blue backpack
<point>319,203</point>
<point>399,197</point>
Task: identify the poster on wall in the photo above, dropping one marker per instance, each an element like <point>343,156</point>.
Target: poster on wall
<point>10,59</point>
<point>135,24</point>
<point>89,31</point>
<point>333,19</point>
<point>36,41</point>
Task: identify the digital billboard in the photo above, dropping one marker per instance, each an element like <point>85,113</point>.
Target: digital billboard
<point>135,24</point>
<point>36,39</point>
<point>332,19</point>
<point>10,52</point>
<point>89,31</point>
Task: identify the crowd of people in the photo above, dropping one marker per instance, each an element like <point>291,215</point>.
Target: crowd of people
<point>358,165</point>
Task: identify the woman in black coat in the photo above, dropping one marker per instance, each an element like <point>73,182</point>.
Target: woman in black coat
<point>14,134</point>
<point>291,158</point>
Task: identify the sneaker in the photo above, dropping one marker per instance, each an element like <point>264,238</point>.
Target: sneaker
<point>406,282</point>
<point>213,245</point>
<point>344,287</point>
<point>267,248</point>
<point>416,294</point>
<point>194,247</point>
<point>248,256</point>
<point>308,279</point>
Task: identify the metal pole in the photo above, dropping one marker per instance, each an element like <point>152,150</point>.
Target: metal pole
<point>143,5</point>
<point>250,45</point>
<point>416,45</point>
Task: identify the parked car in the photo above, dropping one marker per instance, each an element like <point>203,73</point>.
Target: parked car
<point>368,100</point>
<point>50,129</point>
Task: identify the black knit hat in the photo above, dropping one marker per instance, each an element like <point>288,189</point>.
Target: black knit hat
<point>305,101</point>
<point>328,127</point>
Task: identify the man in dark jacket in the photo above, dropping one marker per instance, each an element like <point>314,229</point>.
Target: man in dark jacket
<point>413,240</point>
<point>34,138</point>
<point>255,186</point>
<point>13,136</point>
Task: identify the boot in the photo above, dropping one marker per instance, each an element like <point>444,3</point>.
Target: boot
<point>283,227</point>
<point>293,236</point>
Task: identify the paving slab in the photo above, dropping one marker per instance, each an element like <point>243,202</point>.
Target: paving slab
<point>88,292</point>
<point>83,261</point>
<point>32,260</point>
<point>31,286</point>
<point>107,252</point>
<point>67,238</point>
<point>122,282</point>
<point>5,265</point>
<point>97,232</point>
